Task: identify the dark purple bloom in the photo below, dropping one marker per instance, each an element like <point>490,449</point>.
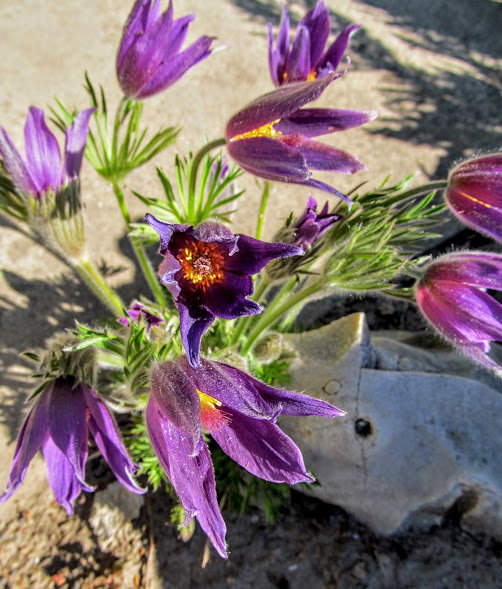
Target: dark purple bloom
<point>43,170</point>
<point>452,295</point>
<point>474,194</point>
<point>240,413</point>
<point>58,423</point>
<point>271,136</point>
<point>306,59</point>
<point>149,57</point>
<point>311,225</point>
<point>208,271</point>
<point>138,310</point>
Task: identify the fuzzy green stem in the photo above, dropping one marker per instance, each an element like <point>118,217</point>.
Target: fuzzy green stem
<point>95,281</point>
<point>263,208</point>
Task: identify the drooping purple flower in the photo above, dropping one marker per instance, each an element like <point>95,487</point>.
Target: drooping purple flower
<point>58,423</point>
<point>208,272</point>
<point>452,295</point>
<point>43,170</point>
<point>240,413</point>
<point>271,136</point>
<point>149,58</point>
<point>138,310</point>
<point>474,194</point>
<point>305,59</point>
<point>311,225</point>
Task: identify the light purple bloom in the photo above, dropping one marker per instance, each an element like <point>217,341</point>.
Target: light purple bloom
<point>58,423</point>
<point>271,136</point>
<point>138,310</point>
<point>43,170</point>
<point>240,413</point>
<point>452,295</point>
<point>208,271</point>
<point>312,225</point>
<point>474,194</point>
<point>306,59</point>
<point>149,57</point>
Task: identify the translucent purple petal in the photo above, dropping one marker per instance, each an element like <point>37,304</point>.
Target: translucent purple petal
<point>312,122</point>
<point>253,254</point>
<point>108,440</point>
<point>76,137</point>
<point>15,164</point>
<point>191,476</point>
<point>333,56</point>
<point>262,449</point>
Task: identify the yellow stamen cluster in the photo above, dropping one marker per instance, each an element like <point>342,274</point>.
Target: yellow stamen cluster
<point>202,263</point>
<point>212,417</point>
<point>263,131</point>
<point>312,76</point>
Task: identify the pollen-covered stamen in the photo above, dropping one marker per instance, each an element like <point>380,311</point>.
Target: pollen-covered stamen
<point>212,417</point>
<point>201,262</point>
<point>267,130</point>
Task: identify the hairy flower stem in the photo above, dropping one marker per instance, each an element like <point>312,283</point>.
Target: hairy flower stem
<point>274,312</point>
<point>141,256</point>
<point>95,281</point>
<point>263,208</point>
<point>199,156</point>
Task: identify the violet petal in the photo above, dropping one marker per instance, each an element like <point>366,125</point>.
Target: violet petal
<point>336,50</point>
<point>76,137</point>
<point>253,254</point>
<point>15,164</point>
<point>192,329</point>
<point>312,122</point>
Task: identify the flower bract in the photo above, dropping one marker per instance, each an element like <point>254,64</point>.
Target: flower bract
<point>58,423</point>
<point>240,413</point>
<point>149,57</point>
<point>208,271</point>
<point>306,59</point>
<point>453,296</point>
<point>272,136</point>
<point>312,225</point>
<point>474,194</point>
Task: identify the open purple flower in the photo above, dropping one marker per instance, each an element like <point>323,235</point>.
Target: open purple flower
<point>311,225</point>
<point>474,194</point>
<point>149,58</point>
<point>58,423</point>
<point>240,413</point>
<point>306,59</point>
<point>271,136</point>
<point>43,170</point>
<point>452,295</point>
<point>208,271</point>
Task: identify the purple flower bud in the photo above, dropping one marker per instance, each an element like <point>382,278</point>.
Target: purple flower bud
<point>271,136</point>
<point>149,58</point>
<point>311,225</point>
<point>43,170</point>
<point>474,194</point>
<point>306,58</point>
<point>58,423</point>
<point>239,412</point>
<point>452,295</point>
<point>138,310</point>
<point>208,271</point>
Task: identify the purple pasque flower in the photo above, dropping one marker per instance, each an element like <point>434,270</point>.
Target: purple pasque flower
<point>306,58</point>
<point>271,136</point>
<point>311,225</point>
<point>474,194</point>
<point>208,271</point>
<point>452,295</point>
<point>58,423</point>
<point>149,57</point>
<point>240,413</point>
<point>43,170</point>
<point>135,312</point>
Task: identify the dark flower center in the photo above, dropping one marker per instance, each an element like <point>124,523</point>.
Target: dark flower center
<point>201,262</point>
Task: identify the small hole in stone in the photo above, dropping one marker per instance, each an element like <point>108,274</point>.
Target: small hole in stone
<point>363,428</point>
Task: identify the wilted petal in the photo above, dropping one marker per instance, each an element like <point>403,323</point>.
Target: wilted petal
<point>262,449</point>
<point>76,137</point>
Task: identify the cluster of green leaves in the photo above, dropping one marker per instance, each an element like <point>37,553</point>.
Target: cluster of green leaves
<point>115,152</point>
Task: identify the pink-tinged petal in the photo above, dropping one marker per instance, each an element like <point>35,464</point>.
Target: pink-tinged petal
<point>76,138</point>
<point>42,152</point>
<point>191,476</point>
<point>176,397</point>
<point>107,437</point>
<point>263,449</point>
<point>490,163</point>
<point>298,63</point>
<point>253,254</point>
<point>68,423</point>
<point>29,442</point>
<point>15,164</point>
<point>481,269</point>
<point>318,25</point>
<point>61,476</point>
<point>192,328</point>
<point>333,56</point>
<point>276,105</point>
<point>312,122</point>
